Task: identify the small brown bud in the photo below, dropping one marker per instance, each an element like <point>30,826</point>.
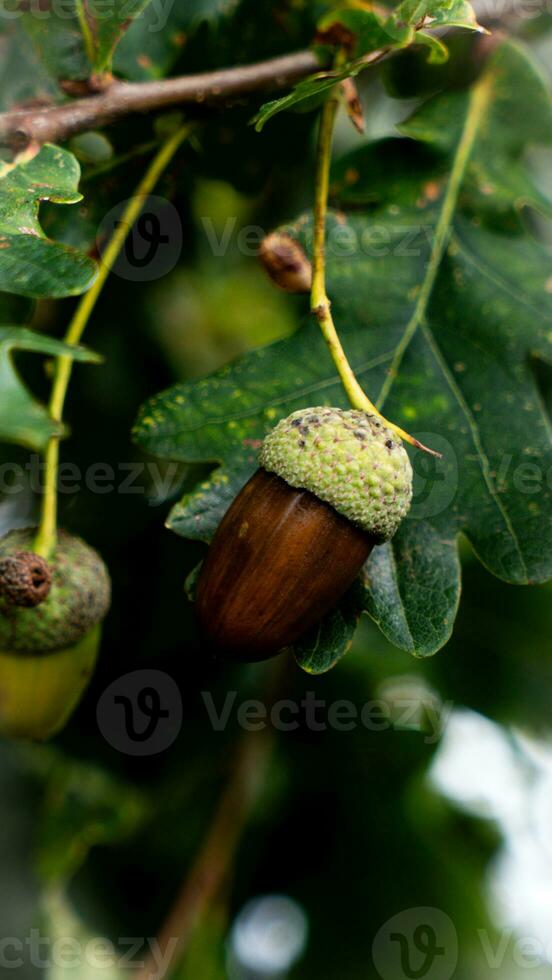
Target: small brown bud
<point>25,579</point>
<point>353,104</point>
<point>286,263</point>
<point>338,36</point>
<point>81,87</point>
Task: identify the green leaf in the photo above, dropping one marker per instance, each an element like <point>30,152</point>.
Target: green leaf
<point>306,95</point>
<point>22,419</point>
<point>83,807</point>
<point>323,646</point>
<point>60,919</point>
<point>198,514</point>
<point>154,44</point>
<point>31,264</point>
<point>440,309</point>
<point>438,52</point>
<point>22,75</point>
<point>394,172</point>
<point>102,34</point>
<point>57,42</point>
<point>360,31</point>
<point>79,37</point>
<point>413,588</point>
<point>497,177</point>
<point>362,34</point>
<point>438,13</point>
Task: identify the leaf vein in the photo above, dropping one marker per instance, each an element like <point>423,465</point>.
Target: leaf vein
<point>481,454</point>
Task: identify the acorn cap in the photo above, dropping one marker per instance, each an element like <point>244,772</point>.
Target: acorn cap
<point>348,459</point>
<point>78,599</point>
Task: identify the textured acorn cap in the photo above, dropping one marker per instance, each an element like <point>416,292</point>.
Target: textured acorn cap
<point>78,600</point>
<point>348,459</point>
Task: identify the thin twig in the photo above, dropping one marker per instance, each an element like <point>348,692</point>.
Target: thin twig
<point>214,861</point>
<point>205,881</point>
<point>47,532</point>
<point>19,128</point>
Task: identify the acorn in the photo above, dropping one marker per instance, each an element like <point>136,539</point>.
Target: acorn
<point>332,484</point>
<point>50,629</point>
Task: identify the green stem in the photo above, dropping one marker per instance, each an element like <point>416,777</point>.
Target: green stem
<point>87,36</point>
<point>45,542</point>
<point>478,107</point>
<point>320,304</point>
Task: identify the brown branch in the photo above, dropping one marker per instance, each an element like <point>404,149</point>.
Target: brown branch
<point>215,859</point>
<point>19,128</point>
<point>210,871</point>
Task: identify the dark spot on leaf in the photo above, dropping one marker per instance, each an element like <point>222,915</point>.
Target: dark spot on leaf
<point>337,35</point>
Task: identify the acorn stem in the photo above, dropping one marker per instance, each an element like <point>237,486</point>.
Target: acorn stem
<point>45,542</point>
<point>86,32</point>
<point>320,303</point>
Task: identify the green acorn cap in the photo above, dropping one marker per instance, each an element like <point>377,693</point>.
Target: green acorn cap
<point>348,459</point>
<point>78,598</point>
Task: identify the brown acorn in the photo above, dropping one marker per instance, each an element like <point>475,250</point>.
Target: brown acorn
<point>332,485</point>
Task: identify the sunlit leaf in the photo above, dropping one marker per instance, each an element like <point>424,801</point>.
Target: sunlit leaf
<point>30,263</point>
<point>364,35</point>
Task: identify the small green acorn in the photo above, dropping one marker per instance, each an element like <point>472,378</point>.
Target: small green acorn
<point>50,629</point>
<point>332,485</point>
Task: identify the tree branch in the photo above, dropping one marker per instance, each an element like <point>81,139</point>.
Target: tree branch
<point>216,856</point>
<point>20,128</point>
<point>212,867</point>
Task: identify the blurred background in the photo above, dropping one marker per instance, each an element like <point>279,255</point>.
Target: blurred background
<point>428,816</point>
